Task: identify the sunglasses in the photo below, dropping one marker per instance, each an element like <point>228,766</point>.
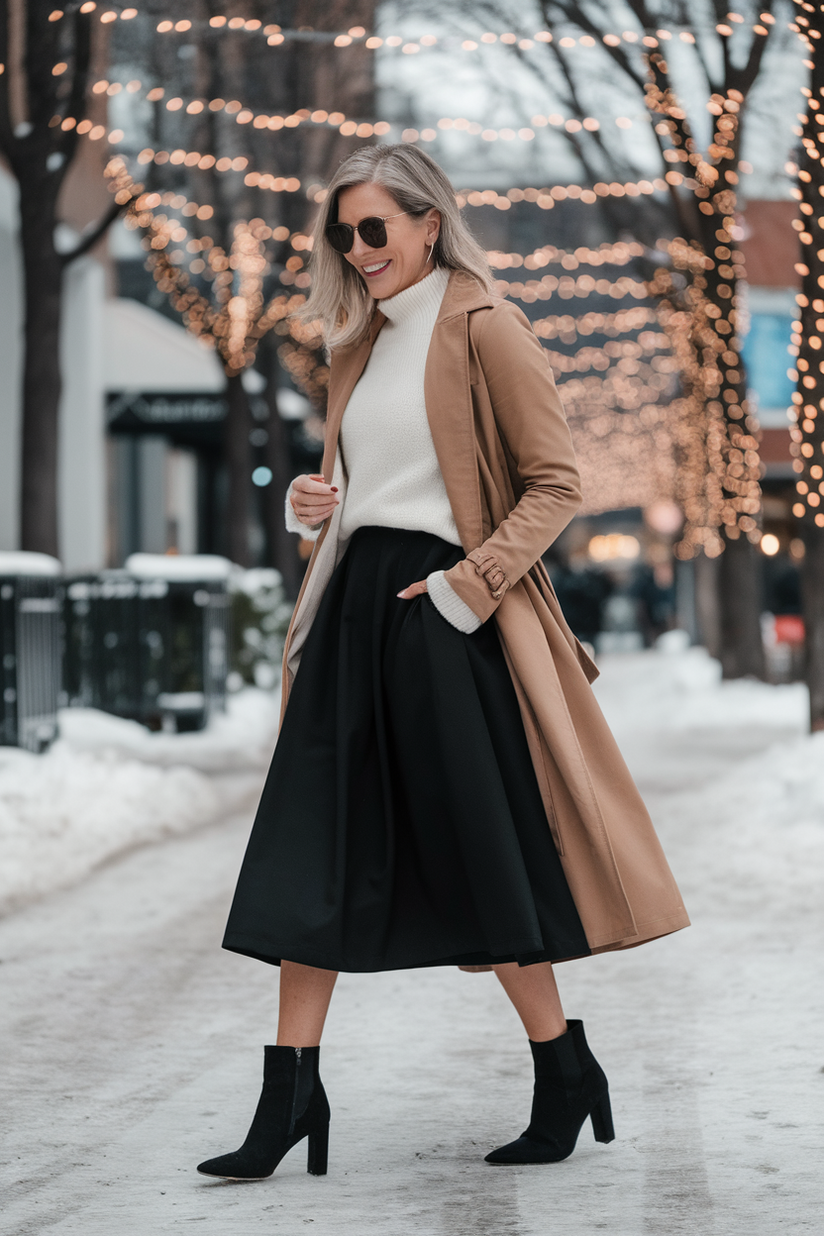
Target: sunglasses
<point>372,231</point>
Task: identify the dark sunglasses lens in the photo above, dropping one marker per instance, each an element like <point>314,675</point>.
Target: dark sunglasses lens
<point>341,236</point>
<point>373,232</point>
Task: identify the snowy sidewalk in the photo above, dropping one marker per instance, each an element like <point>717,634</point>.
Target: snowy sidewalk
<point>134,1043</point>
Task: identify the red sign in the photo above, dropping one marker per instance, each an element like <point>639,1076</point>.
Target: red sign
<point>789,629</point>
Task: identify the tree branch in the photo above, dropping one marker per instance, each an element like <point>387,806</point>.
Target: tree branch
<point>575,15</point>
<point>90,239</point>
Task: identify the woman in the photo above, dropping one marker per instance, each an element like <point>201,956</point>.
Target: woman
<point>444,790</point>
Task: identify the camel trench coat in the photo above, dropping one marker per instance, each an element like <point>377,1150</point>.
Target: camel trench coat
<point>507,461</point>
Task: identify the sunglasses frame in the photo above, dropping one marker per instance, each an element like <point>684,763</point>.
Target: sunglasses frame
<point>355,227</point>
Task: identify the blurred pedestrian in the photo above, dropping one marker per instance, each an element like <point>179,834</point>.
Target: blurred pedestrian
<point>445,790</point>
<point>582,592</point>
<point>654,598</point>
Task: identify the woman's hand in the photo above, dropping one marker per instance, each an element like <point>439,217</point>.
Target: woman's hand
<point>312,499</point>
<point>414,590</point>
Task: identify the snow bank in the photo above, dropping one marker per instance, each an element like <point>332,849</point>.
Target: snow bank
<point>65,812</point>
<point>109,784</point>
<point>749,817</point>
<point>242,738</point>
<point>681,689</point>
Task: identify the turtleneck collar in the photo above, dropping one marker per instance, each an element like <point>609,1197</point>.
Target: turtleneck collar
<point>423,297</point>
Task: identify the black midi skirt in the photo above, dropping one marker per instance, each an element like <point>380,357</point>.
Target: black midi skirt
<point>401,824</point>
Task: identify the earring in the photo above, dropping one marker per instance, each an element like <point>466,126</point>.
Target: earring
<point>431,251</point>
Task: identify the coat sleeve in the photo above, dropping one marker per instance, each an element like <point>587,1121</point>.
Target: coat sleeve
<point>530,420</point>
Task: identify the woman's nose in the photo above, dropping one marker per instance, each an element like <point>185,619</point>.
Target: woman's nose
<point>360,250</point>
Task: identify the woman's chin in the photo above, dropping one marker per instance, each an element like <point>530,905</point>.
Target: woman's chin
<point>381,287</point>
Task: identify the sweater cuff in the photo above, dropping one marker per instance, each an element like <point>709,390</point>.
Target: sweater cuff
<point>293,524</point>
<point>449,605</point>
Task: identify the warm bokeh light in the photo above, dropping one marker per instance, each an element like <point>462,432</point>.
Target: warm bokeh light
<point>614,546</point>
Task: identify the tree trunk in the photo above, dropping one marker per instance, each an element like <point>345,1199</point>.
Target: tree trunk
<point>39,153</point>
<point>812,600</point>
<point>43,279</point>
<point>238,458</point>
<point>707,602</point>
<point>739,581</point>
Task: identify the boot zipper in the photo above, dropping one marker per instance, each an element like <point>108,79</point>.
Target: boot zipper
<point>293,1118</point>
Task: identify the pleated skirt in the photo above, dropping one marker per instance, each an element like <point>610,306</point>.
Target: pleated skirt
<point>401,824</point>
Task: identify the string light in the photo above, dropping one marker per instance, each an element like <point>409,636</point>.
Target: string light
<point>624,357</point>
<point>569,329</point>
<point>568,288</point>
<point>353,128</point>
<point>612,254</point>
<point>544,198</point>
<point>717,482</point>
<point>807,411</point>
<point>106,16</point>
<point>277,35</point>
<point>234,318</point>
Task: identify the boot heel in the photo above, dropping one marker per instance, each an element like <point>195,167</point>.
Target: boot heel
<point>601,1116</point>
<point>318,1157</point>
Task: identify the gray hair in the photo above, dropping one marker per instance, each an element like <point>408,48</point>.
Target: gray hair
<point>339,298</point>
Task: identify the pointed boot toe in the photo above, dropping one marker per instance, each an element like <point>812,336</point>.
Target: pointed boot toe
<point>292,1106</point>
<point>235,1167</point>
<point>527,1149</point>
<point>570,1087</point>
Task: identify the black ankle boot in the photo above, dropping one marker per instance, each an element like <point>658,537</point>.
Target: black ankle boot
<point>569,1086</point>
<point>292,1105</point>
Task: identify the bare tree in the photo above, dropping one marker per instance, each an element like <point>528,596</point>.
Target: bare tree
<point>43,102</point>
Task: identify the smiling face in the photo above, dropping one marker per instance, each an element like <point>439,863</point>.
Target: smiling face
<point>404,259</point>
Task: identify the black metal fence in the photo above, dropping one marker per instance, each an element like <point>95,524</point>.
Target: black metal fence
<point>30,652</point>
<point>150,649</point>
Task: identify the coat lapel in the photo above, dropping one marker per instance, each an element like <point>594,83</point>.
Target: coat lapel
<point>448,397</point>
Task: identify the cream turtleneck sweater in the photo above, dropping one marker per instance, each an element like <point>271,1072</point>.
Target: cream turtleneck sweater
<point>393,476</point>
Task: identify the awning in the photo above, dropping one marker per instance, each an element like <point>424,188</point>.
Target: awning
<point>144,351</point>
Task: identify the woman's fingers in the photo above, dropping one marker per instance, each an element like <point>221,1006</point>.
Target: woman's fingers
<point>312,499</point>
<point>313,489</point>
<point>414,590</point>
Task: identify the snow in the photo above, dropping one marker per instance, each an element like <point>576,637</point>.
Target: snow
<point>24,562</point>
<point>192,567</point>
<point>762,814</point>
<point>242,738</point>
<point>108,784</point>
<point>680,689</point>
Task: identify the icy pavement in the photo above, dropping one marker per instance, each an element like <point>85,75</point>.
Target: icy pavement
<point>136,1043</point>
